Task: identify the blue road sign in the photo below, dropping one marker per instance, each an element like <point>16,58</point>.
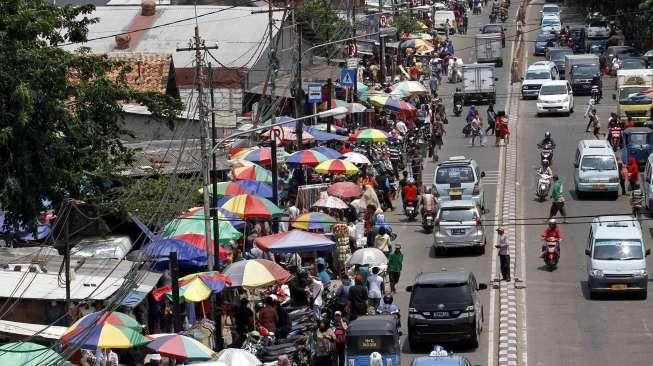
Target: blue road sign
<point>315,93</point>
<point>348,77</point>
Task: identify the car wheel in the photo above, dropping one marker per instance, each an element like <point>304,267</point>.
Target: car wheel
<point>439,251</point>
<point>473,342</point>
<point>642,295</point>
<point>412,342</point>
<point>538,114</point>
<point>592,294</point>
<point>579,194</point>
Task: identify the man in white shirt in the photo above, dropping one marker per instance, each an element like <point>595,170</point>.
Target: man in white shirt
<point>375,287</point>
<point>315,288</point>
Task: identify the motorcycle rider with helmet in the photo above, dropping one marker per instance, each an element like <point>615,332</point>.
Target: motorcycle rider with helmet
<point>547,140</point>
<point>410,193</point>
<point>614,131</point>
<point>388,308</point>
<point>545,169</point>
<point>552,231</point>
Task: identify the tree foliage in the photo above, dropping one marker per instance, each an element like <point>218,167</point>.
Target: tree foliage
<point>405,23</point>
<point>60,116</point>
<point>321,24</point>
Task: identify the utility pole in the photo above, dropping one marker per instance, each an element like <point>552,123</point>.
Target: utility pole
<point>329,98</point>
<point>298,91</point>
<point>174,275</point>
<point>381,44</point>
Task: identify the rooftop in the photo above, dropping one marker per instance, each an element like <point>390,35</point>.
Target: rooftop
<point>442,277</point>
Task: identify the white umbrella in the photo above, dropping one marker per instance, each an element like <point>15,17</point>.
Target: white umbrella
<point>371,256</point>
<point>356,108</point>
<point>330,202</point>
<point>236,357</point>
<point>356,158</point>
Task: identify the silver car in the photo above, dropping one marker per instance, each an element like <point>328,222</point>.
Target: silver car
<point>459,178</point>
<point>457,225</point>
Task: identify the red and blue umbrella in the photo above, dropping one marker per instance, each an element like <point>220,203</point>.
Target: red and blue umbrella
<point>180,347</point>
<point>234,188</point>
<point>306,157</point>
<point>328,152</point>
<point>294,241</point>
<point>247,206</point>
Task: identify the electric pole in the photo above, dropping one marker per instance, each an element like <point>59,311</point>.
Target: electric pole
<point>298,91</point>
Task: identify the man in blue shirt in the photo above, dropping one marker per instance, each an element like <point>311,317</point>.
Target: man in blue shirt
<point>324,276</point>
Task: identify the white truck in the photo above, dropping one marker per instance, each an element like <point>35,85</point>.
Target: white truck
<point>488,48</point>
<point>479,83</point>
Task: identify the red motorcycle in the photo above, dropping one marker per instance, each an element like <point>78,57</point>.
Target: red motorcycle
<point>551,252</point>
<point>615,137</point>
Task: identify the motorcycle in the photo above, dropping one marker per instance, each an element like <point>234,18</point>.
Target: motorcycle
<point>428,221</point>
<point>551,253</point>
<point>547,153</point>
<point>543,186</point>
<point>615,137</point>
<point>503,16</point>
<point>457,107</point>
<point>596,94</point>
<point>637,202</point>
<point>411,210</point>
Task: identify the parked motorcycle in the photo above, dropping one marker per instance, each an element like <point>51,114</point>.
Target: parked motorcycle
<point>428,221</point>
<point>551,252</point>
<point>543,187</point>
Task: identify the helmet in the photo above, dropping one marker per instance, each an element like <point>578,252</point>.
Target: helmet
<point>547,134</point>
<point>552,222</point>
<point>411,180</point>
<point>427,190</point>
<point>387,299</point>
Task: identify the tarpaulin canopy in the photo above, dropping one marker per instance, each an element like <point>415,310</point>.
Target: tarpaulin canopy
<point>23,233</point>
<point>294,241</point>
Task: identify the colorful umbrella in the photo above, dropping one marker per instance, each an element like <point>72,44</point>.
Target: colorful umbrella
<point>294,241</point>
<point>357,158</point>
<point>320,135</point>
<point>199,241</point>
<point>236,357</point>
<point>260,155</point>
<point>196,287</point>
<point>252,172</point>
<point>418,44</point>
<point>188,255</point>
<point>193,222</point>
<point>363,92</point>
<point>180,347</point>
<point>306,157</point>
<point>237,187</point>
<point>313,221</point>
<point>370,135</point>
<point>331,202</point>
<point>255,273</point>
<point>103,336</point>
<point>393,104</point>
<point>109,317</point>
<point>336,166</point>
<point>328,152</point>
<point>406,88</point>
<point>247,206</point>
<point>345,190</point>
<point>288,134</point>
<point>29,354</point>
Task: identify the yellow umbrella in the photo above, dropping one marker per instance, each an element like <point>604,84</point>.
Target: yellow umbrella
<point>336,166</point>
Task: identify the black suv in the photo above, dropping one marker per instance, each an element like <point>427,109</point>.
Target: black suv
<point>445,307</point>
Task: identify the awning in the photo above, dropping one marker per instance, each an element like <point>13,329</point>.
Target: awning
<point>30,329</point>
<point>133,298</point>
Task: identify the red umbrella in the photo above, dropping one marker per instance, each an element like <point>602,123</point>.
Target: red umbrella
<point>345,190</point>
<point>199,242</point>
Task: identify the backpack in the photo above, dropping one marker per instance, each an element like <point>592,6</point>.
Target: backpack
<point>341,336</point>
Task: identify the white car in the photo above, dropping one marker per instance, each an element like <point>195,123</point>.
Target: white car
<point>550,10</point>
<point>555,96</point>
<point>551,23</point>
<point>598,29</point>
<point>536,75</point>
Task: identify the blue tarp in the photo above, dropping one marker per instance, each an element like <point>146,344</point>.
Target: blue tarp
<point>23,233</point>
<point>324,136</point>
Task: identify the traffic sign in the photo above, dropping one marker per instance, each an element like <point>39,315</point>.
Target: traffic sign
<point>314,93</point>
<point>348,77</point>
<point>352,63</point>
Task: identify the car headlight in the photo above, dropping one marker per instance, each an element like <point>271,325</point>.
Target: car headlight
<point>565,99</point>
<point>614,180</point>
<point>596,273</point>
<point>641,273</point>
<point>583,180</point>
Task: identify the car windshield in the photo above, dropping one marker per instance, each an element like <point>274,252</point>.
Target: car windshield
<point>638,139</point>
<point>553,90</point>
<point>543,37</point>
<point>618,249</point>
<point>550,22</point>
<point>586,71</point>
<point>538,75</point>
<point>598,162</point>
<point>431,295</point>
<point>454,174</point>
<point>633,64</point>
<point>492,29</point>
<point>550,9</point>
<point>457,214</point>
<point>598,24</point>
<point>560,55</point>
<point>631,91</point>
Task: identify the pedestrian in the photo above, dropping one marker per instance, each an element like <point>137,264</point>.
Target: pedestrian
<point>244,323</point>
<point>504,254</point>
<point>596,125</point>
<point>395,261</point>
<point>434,82</point>
<point>438,133</point>
<point>357,298</point>
<point>342,293</point>
<point>325,344</point>
<point>465,23</point>
<point>382,240</point>
<point>629,122</point>
<point>375,287</point>
<point>558,199</point>
<point>315,289</point>
<point>633,174</point>
<point>285,325</point>
<point>339,326</point>
<point>623,175</point>
<point>268,316</point>
<point>591,116</point>
<point>491,120</point>
<point>475,131</point>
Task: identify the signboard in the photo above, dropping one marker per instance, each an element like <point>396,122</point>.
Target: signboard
<point>352,63</point>
<point>314,93</point>
<point>348,77</point>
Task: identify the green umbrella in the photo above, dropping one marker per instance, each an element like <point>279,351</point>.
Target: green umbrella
<point>192,222</point>
<point>29,354</point>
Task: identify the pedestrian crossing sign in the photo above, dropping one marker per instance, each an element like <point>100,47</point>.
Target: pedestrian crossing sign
<point>348,77</point>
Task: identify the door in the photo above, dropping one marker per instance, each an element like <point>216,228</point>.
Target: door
<point>577,164</point>
<point>647,183</point>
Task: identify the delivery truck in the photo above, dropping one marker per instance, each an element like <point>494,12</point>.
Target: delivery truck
<point>488,48</point>
<point>479,83</point>
<point>633,99</point>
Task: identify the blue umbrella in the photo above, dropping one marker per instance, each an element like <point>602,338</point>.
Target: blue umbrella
<point>188,256</point>
<point>330,153</point>
<point>234,220</point>
<point>324,136</point>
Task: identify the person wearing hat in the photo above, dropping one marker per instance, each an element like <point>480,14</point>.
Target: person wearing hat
<point>339,326</point>
<point>504,254</point>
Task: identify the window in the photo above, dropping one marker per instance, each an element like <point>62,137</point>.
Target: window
<point>457,214</point>
<point>639,139</point>
<point>454,174</point>
<point>618,249</point>
<point>553,90</point>
<point>538,75</point>
<point>598,162</point>
<point>430,295</point>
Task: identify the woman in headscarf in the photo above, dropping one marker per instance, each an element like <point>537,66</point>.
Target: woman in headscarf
<point>633,174</point>
<point>369,197</point>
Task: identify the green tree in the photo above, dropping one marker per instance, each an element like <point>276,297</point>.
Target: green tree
<point>60,116</point>
<point>321,24</point>
<point>404,23</point>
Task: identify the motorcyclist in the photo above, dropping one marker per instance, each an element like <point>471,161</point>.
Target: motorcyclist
<point>427,201</point>
<point>552,231</point>
<point>387,307</point>
<point>614,127</point>
<point>410,193</point>
<point>547,140</point>
<point>545,169</point>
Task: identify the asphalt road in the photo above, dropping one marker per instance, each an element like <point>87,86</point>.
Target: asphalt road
<point>418,255</point>
<point>564,326</point>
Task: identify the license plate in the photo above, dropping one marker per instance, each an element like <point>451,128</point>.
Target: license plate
<point>441,314</point>
<point>457,231</point>
<point>598,186</point>
<point>618,286</point>
<point>551,249</point>
<point>455,191</point>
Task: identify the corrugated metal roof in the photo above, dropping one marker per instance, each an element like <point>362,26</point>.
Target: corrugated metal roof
<point>29,329</point>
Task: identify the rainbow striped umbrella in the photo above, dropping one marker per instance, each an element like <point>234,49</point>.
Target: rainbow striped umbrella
<point>336,166</point>
<point>306,157</point>
<point>247,206</point>
<point>370,135</point>
<point>180,347</point>
<point>109,317</point>
<point>237,187</point>
<point>255,273</point>
<point>260,155</point>
<point>103,336</point>
<point>196,287</point>
<point>252,172</point>
<point>192,222</point>
<point>391,103</point>
<point>313,221</point>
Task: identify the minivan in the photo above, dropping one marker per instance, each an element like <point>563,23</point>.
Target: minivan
<point>595,168</point>
<point>647,183</point>
<point>616,256</point>
<point>536,75</point>
<point>440,18</point>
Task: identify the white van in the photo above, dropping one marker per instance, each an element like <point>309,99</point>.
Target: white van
<point>440,18</point>
<point>596,168</point>
<point>536,75</point>
<point>616,256</point>
<point>647,183</point>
